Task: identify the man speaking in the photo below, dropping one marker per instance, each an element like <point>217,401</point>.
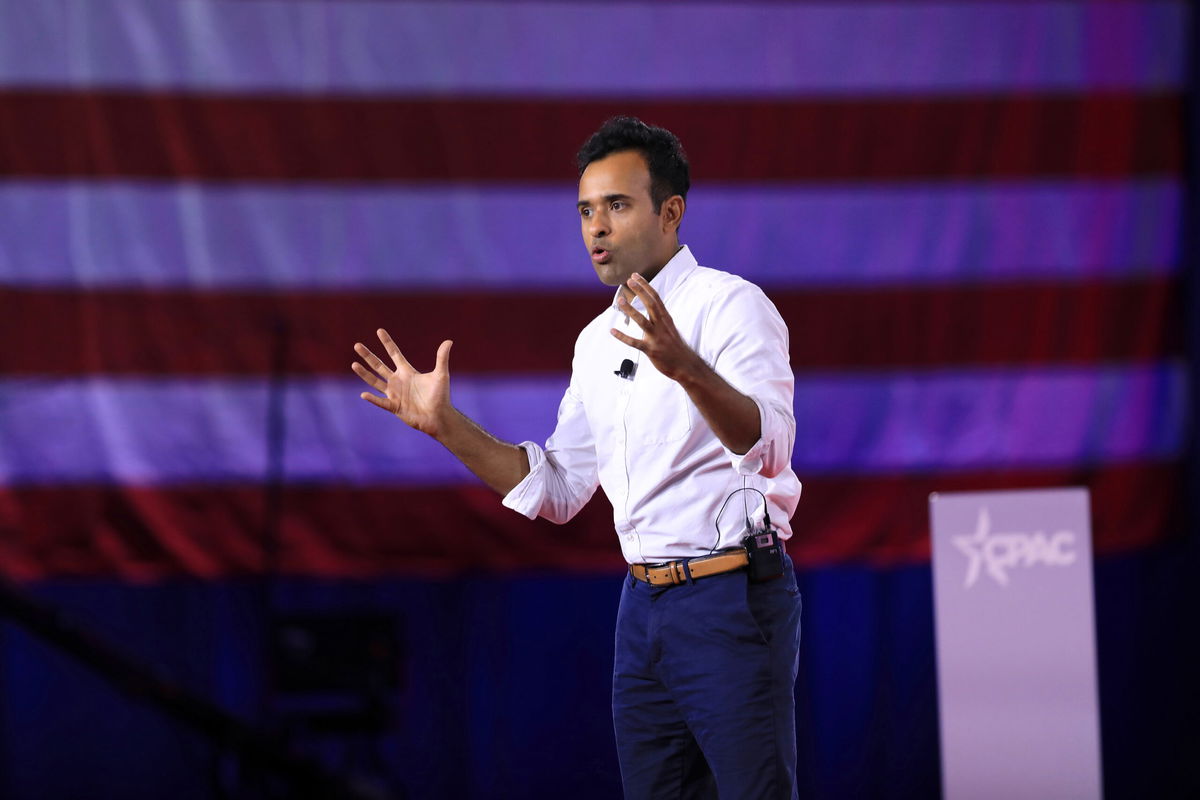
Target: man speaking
<point>680,407</point>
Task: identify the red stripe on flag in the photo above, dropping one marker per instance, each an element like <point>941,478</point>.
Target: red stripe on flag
<point>885,520</point>
<point>149,533</point>
<point>271,137</point>
<point>64,332</point>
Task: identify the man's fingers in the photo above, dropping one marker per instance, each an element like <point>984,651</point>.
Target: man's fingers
<point>642,288</point>
<point>636,344</point>
<point>371,379</point>
<point>628,310</point>
<point>382,402</point>
<point>443,357</point>
<point>397,357</point>
<point>373,361</point>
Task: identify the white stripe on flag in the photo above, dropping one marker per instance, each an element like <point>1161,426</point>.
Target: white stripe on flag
<point>578,49</point>
<point>60,431</point>
<point>131,234</point>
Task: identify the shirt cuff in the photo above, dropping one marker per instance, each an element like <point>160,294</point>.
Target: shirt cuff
<point>751,462</point>
<point>526,497</point>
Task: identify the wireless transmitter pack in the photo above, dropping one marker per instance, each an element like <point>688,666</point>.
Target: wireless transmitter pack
<point>763,548</point>
<point>765,553</point>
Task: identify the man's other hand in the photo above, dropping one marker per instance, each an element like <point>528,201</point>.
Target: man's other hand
<point>660,341</point>
<point>421,399</point>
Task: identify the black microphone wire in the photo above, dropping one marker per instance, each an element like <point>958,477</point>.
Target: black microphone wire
<point>717,521</point>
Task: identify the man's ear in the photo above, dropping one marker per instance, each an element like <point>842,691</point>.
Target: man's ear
<point>671,213</point>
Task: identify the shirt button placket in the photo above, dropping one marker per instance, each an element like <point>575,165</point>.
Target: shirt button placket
<point>623,397</point>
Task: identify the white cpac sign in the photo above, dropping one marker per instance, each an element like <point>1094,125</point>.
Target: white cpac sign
<point>999,552</point>
<point>1016,651</point>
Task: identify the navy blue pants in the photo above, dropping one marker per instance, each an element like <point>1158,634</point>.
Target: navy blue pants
<point>703,683</point>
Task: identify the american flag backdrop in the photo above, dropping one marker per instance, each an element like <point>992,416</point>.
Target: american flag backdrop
<point>968,215</point>
<point>971,216</point>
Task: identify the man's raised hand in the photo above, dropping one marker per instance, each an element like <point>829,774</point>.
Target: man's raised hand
<point>421,399</point>
<point>660,340</point>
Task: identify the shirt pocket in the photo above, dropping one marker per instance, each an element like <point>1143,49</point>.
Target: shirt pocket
<point>660,411</point>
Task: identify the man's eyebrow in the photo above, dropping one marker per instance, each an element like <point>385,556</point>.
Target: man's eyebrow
<point>608,198</point>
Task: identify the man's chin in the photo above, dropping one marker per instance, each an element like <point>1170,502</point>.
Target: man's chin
<point>609,274</point>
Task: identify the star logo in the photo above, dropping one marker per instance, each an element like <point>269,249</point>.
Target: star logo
<point>972,547</point>
<point>996,553</point>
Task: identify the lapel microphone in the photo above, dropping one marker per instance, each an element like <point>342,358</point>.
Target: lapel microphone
<point>626,371</point>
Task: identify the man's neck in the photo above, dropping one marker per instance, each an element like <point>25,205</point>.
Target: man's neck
<point>650,272</point>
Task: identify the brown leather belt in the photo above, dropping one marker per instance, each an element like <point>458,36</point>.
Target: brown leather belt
<point>672,572</point>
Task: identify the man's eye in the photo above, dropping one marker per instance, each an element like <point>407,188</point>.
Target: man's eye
<point>617,205</point>
<point>585,212</point>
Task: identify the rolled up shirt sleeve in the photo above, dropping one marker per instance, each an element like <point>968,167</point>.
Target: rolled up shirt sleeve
<point>563,475</point>
<point>526,497</point>
<point>772,453</point>
<point>750,351</point>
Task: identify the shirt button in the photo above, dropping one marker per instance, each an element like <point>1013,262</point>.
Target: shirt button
<point>629,537</point>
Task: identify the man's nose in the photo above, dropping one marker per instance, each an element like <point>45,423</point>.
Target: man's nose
<point>598,226</point>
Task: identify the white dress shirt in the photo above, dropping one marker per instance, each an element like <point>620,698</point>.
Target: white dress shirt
<point>642,439</point>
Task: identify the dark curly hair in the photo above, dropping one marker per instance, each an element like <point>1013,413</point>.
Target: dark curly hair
<point>668,166</point>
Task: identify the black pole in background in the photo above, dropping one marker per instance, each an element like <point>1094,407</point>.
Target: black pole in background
<point>304,776</point>
<point>1191,265</point>
<point>276,442</point>
<point>1190,257</point>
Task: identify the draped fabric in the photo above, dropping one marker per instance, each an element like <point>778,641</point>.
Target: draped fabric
<point>970,215</point>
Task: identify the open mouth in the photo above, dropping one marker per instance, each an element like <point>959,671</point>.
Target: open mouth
<point>601,255</point>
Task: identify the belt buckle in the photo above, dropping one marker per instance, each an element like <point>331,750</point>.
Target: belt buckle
<point>651,573</point>
<point>676,573</point>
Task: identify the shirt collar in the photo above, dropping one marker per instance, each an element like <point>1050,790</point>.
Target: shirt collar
<point>673,273</point>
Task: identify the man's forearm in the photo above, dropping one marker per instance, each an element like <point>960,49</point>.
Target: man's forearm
<point>498,464</point>
<point>732,415</point>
